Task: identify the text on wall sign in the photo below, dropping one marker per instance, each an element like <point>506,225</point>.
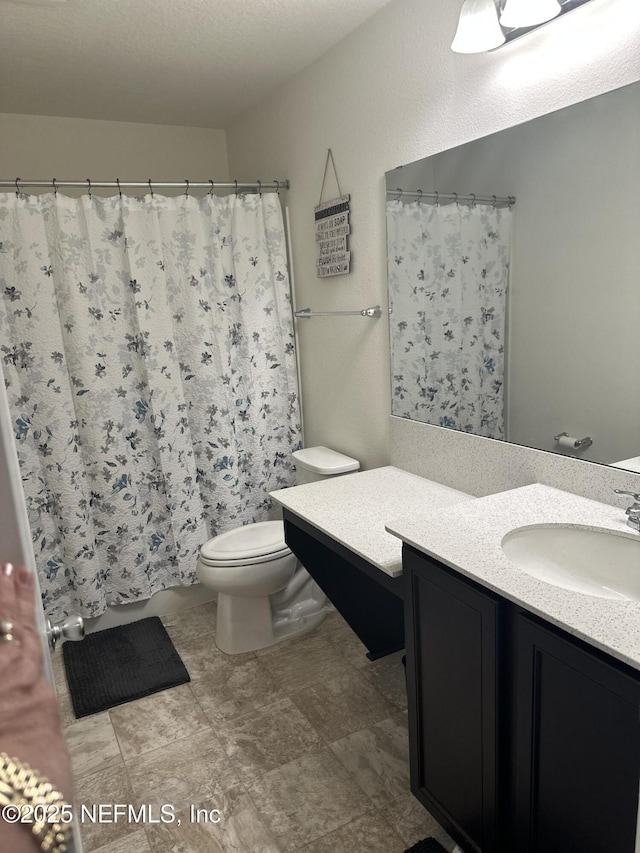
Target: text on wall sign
<point>332,230</point>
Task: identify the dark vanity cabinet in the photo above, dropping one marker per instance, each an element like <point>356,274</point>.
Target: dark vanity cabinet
<point>523,738</point>
<point>371,601</point>
<point>453,684</point>
<point>577,748</point>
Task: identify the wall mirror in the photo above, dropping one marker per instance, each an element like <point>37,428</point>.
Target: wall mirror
<point>514,283</point>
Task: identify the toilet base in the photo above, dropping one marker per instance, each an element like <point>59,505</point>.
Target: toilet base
<point>246,624</point>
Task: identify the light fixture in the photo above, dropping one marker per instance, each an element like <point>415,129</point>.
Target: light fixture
<point>487,24</point>
<point>528,13</point>
<point>478,27</point>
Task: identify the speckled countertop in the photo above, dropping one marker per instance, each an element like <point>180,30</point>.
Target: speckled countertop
<point>468,538</point>
<point>354,508</point>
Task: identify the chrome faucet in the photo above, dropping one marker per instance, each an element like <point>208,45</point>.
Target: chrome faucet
<point>632,512</point>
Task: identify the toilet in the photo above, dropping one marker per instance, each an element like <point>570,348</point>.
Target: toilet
<point>264,594</point>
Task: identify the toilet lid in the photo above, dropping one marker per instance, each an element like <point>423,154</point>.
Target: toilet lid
<point>251,541</point>
<point>251,561</point>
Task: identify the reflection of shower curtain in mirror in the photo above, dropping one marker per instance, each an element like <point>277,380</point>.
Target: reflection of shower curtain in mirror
<point>448,275</point>
<point>147,347</point>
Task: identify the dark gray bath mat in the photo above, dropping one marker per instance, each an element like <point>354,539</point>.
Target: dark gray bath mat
<point>427,845</point>
<point>121,664</point>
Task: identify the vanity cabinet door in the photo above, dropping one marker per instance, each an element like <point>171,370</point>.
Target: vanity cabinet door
<point>577,746</point>
<point>452,685</point>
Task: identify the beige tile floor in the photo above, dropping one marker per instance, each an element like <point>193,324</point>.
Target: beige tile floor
<point>301,747</point>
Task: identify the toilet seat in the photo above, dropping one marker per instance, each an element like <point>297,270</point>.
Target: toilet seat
<point>260,542</point>
<point>265,595</point>
<point>250,561</point>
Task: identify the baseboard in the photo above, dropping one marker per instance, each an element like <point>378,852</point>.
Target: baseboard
<point>167,601</point>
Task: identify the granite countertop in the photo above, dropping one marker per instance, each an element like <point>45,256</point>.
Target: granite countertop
<point>468,539</point>
<point>354,508</point>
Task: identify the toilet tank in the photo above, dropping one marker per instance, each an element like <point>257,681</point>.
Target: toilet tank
<point>318,463</point>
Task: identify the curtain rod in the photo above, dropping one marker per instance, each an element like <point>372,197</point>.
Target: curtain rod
<point>305,313</point>
<point>455,198</point>
<point>17,184</point>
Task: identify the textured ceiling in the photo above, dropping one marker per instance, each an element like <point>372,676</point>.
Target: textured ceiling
<point>186,62</point>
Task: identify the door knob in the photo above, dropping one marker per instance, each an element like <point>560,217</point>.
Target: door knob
<point>71,628</point>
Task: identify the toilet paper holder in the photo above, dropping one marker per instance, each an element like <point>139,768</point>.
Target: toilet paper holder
<point>575,443</point>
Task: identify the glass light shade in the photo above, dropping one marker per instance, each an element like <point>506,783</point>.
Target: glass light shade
<point>528,13</point>
<point>478,27</point>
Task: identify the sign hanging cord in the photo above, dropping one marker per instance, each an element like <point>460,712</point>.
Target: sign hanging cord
<point>324,177</point>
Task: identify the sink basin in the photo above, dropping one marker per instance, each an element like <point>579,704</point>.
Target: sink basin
<point>583,559</point>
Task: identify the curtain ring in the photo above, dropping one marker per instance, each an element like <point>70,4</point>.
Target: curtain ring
<point>186,192</point>
<point>150,188</point>
<point>399,191</point>
<point>55,187</point>
<point>437,195</point>
<point>211,190</point>
<point>17,188</point>
<point>259,188</point>
<point>119,190</point>
<point>419,195</point>
<point>495,201</point>
<point>473,202</point>
<point>236,189</point>
<point>277,183</point>
<point>89,188</point>
<point>455,198</point>
<point>512,201</point>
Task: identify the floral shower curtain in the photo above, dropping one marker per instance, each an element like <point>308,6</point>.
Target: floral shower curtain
<point>148,352</point>
<point>448,274</point>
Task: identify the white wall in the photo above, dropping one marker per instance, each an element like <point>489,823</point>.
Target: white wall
<point>388,94</point>
<point>45,147</point>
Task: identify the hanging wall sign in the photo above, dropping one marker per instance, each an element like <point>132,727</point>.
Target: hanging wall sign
<point>332,230</point>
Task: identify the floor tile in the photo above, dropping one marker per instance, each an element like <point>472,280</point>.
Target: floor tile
<point>135,843</point>
<point>201,656</point>
<point>92,744</point>
<point>240,829</point>
<point>352,649</point>
<point>262,719</point>
<point>307,798</point>
<point>339,633</point>
<point>332,625</point>
<point>268,738</point>
<point>229,690</point>
<point>57,665</point>
<point>295,640</point>
<point>157,720</point>
<point>105,787</point>
<point>65,708</point>
<point>413,822</point>
<point>366,834</point>
<point>192,623</point>
<point>378,758</point>
<point>300,664</point>
<point>388,675</point>
<point>342,705</point>
<point>190,769</point>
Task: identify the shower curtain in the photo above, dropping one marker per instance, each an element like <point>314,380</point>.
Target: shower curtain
<point>448,269</point>
<point>148,352</point>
